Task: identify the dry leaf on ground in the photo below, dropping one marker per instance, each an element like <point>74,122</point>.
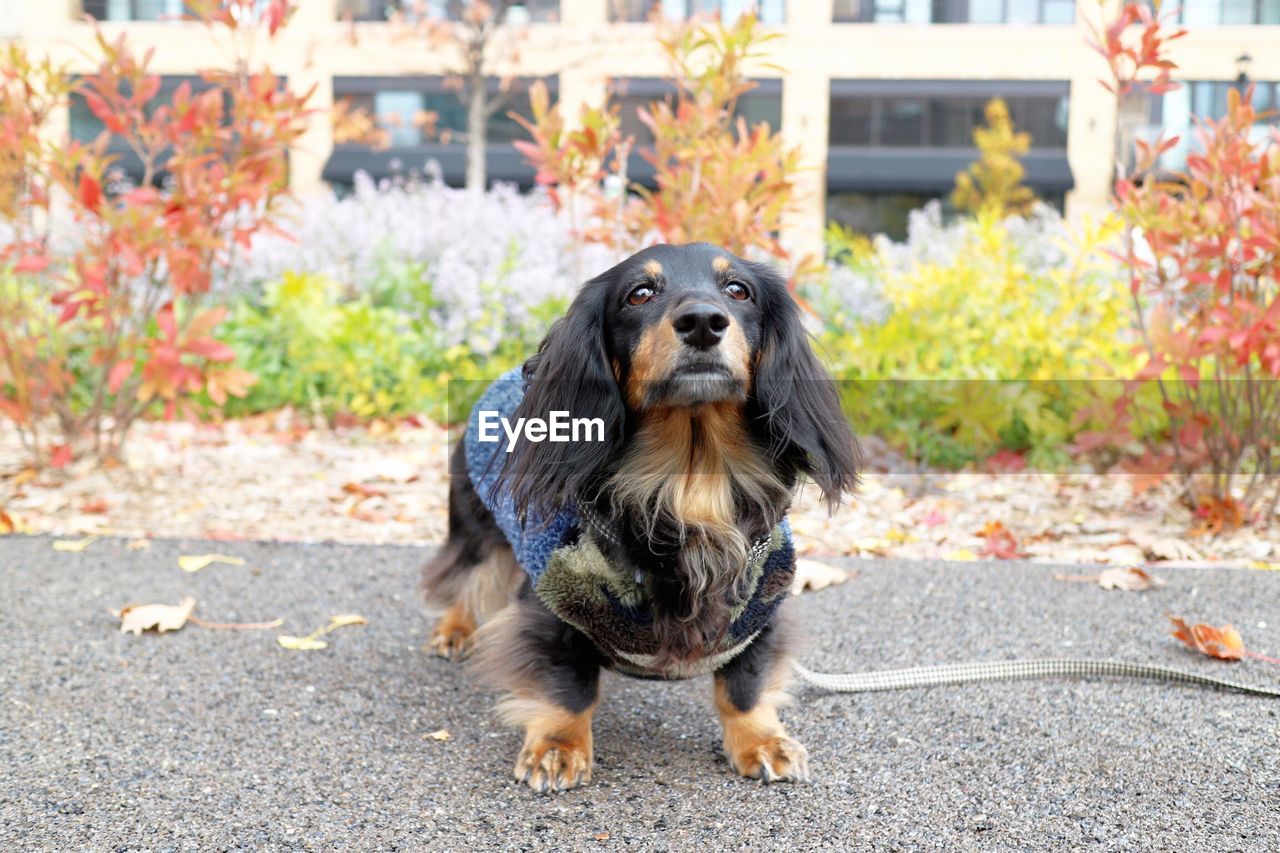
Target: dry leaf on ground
<point>301,644</point>
<point>1168,548</point>
<point>74,545</point>
<point>999,541</point>
<point>440,734</point>
<point>7,524</point>
<point>1223,642</point>
<point>95,506</point>
<point>136,618</point>
<point>312,642</point>
<point>196,562</point>
<point>813,575</point>
<point>362,492</point>
<point>1132,579</point>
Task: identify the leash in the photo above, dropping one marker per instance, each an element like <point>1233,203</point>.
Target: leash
<point>1013,670</point>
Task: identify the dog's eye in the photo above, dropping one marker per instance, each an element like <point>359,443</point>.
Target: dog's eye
<point>737,290</point>
<point>640,295</point>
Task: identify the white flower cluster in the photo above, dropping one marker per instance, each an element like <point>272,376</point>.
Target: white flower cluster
<point>489,258</point>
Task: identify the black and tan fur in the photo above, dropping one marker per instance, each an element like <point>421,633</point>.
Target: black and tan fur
<point>714,406</point>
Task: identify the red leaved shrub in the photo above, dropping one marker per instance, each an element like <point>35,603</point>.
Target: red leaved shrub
<point>106,309</point>
<point>1201,249</point>
<point>716,178</point>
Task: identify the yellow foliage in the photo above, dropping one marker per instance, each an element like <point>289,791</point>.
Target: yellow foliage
<point>1028,331</point>
<point>994,182</point>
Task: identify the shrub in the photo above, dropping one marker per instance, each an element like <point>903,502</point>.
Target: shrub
<point>377,354</point>
<point>716,179</point>
<point>995,181</point>
<point>982,335</point>
<point>111,312</point>
<point>470,266</point>
<point>1201,252</point>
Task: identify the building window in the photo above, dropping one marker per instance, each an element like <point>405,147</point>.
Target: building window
<point>529,11</point>
<point>1211,13</point>
<point>942,120</point>
<point>419,111</point>
<point>637,11</point>
<point>86,127</point>
<point>135,10</point>
<point>1175,114</point>
<point>631,94</point>
<point>956,11</point>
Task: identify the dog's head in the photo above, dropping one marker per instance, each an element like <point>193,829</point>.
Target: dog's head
<point>681,327</point>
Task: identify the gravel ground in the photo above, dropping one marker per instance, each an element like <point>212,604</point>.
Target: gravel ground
<point>217,740</point>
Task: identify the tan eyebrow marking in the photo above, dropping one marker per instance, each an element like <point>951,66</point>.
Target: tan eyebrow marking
<point>721,264</point>
<point>653,268</point>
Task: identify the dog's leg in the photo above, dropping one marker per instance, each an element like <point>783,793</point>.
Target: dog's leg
<point>474,574</point>
<point>552,673</point>
<point>748,692</point>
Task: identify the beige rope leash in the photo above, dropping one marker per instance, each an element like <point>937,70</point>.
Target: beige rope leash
<point>1013,670</point>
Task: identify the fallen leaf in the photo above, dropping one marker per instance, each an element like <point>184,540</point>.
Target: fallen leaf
<point>61,456</point>
<point>301,644</point>
<point>933,518</point>
<point>440,734</point>
<point>812,575</point>
<point>95,506</point>
<point>999,541</point>
<point>20,479</point>
<point>1170,548</point>
<point>1222,642</point>
<point>74,545</point>
<point>139,545</point>
<point>7,524</point>
<point>1132,579</point>
<point>136,618</point>
<point>1263,566</point>
<point>963,555</point>
<point>366,515</point>
<point>1217,515</point>
<point>194,563</point>
<point>602,836</point>
<point>313,641</point>
<point>361,491</point>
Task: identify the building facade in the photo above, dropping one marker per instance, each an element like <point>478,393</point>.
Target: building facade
<point>880,95</point>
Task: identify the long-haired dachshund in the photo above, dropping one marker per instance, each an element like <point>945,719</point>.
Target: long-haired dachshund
<point>654,541</point>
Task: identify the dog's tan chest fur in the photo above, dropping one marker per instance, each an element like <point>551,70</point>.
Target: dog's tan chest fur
<point>688,466</point>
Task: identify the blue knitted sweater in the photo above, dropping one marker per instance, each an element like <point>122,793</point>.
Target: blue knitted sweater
<point>571,575</point>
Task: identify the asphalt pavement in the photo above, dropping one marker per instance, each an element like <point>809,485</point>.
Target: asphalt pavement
<point>216,740</point>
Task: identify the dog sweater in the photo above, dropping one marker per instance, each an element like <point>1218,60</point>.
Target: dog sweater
<point>580,585</point>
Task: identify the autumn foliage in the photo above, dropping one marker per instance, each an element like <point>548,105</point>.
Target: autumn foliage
<point>106,310</point>
<point>716,179</point>
<point>994,182</point>
<point>1201,248</point>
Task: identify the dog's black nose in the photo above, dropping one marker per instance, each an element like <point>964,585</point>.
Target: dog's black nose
<point>701,324</point>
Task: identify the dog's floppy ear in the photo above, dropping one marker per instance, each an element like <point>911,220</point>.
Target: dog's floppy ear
<point>795,399</point>
<point>570,373</point>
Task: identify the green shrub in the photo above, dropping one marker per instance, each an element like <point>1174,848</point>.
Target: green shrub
<point>994,334</point>
<point>376,354</point>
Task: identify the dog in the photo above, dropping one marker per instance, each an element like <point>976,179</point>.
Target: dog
<point>660,547</point>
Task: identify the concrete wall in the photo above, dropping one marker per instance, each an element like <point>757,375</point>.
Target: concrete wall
<point>586,50</point>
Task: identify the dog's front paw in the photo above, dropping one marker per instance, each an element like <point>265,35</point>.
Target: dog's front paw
<point>771,758</point>
<point>453,633</point>
<point>549,765</point>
